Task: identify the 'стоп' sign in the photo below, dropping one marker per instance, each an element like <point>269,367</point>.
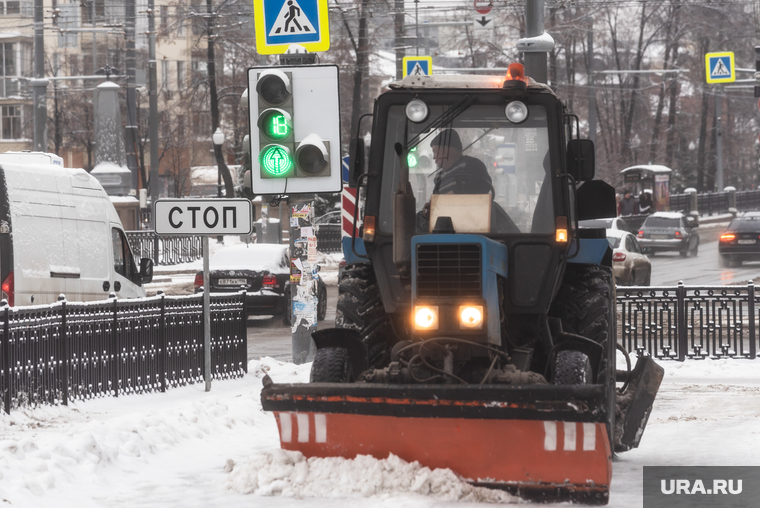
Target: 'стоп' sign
<point>203,217</point>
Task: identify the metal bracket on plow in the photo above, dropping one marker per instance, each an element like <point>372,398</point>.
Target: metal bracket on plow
<point>634,405</point>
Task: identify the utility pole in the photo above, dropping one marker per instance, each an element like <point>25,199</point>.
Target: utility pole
<point>131,16</point>
<point>153,100</point>
<point>537,43</point>
<point>417,25</point>
<point>590,78</point>
<point>719,138</point>
<point>398,25</point>
<point>224,171</point>
<point>39,83</point>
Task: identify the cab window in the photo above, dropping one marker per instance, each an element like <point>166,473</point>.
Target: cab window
<point>123,263</point>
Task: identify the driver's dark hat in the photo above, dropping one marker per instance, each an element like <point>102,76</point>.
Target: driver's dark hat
<point>449,138</point>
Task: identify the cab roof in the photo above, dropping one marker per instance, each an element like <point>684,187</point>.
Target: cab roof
<point>460,81</point>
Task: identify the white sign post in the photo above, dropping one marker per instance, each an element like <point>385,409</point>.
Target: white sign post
<point>204,217</point>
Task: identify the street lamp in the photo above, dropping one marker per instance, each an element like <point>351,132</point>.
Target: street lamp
<point>218,139</point>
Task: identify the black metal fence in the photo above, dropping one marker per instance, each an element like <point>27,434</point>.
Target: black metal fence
<point>689,321</point>
<point>52,354</point>
<point>165,250</point>
<point>709,203</point>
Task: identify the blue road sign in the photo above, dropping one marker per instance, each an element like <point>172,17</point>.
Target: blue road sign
<point>280,23</point>
<point>720,67</point>
<point>345,169</point>
<point>418,66</point>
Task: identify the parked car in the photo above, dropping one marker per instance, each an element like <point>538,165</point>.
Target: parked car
<point>263,270</point>
<point>669,231</point>
<point>630,265</point>
<point>741,241</point>
<point>614,223</point>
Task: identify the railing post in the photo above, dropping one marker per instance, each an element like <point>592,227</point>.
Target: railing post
<point>117,349</point>
<point>244,335</point>
<point>7,356</point>
<point>65,356</point>
<point>155,248</point>
<point>162,342</point>
<point>751,316</point>
<point>681,320</point>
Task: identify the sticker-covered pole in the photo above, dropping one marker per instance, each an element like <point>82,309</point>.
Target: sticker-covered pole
<point>303,281</point>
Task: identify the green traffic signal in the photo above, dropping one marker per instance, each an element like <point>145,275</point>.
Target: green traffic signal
<point>276,161</point>
<point>411,158</point>
<point>276,124</point>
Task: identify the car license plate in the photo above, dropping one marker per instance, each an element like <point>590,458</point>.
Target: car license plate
<point>659,237</point>
<point>232,282</point>
<point>746,242</point>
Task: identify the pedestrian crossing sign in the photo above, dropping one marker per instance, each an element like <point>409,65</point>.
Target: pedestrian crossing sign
<point>280,23</point>
<point>418,66</point>
<point>720,67</point>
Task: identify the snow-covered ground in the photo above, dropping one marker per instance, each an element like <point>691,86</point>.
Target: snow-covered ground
<point>191,448</point>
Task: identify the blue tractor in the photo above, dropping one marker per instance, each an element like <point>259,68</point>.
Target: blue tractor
<point>478,332</point>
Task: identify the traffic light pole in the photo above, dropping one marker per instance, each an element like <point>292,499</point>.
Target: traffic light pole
<point>304,287</point>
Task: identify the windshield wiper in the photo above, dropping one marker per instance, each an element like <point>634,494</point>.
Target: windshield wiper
<point>446,117</point>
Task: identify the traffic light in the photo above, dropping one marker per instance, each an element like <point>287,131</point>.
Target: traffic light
<point>275,124</point>
<point>296,113</point>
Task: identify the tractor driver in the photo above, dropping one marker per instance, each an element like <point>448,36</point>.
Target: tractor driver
<point>457,173</point>
<point>461,174</point>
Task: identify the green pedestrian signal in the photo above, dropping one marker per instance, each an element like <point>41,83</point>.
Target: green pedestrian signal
<point>277,161</point>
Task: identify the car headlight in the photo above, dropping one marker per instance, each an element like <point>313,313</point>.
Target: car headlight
<point>471,317</point>
<point>425,317</point>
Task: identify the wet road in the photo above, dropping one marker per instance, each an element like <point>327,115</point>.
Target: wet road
<point>668,268</point>
<point>269,337</point>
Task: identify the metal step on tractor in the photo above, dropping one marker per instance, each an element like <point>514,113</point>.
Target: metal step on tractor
<point>478,333</point>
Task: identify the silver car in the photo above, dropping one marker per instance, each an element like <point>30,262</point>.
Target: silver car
<point>630,266</point>
<point>669,231</point>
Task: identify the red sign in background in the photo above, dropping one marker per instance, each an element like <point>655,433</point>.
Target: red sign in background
<point>483,7</point>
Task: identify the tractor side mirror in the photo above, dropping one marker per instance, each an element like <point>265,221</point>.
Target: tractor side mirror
<point>356,161</point>
<point>581,159</point>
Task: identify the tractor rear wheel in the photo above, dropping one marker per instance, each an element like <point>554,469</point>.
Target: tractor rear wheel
<point>585,304</point>
<point>361,308</point>
<point>331,365</point>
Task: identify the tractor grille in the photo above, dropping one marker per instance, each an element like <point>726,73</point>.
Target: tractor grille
<point>449,270</point>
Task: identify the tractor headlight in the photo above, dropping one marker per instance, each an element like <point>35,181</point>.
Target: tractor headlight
<point>425,317</point>
<point>516,111</point>
<point>471,317</point>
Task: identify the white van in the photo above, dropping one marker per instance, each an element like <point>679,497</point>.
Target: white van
<point>60,234</point>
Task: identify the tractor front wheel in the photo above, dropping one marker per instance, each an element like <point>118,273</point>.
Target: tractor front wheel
<point>331,365</point>
<point>585,304</point>
<point>361,308</point>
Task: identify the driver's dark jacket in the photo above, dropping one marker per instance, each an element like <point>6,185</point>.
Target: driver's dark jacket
<point>468,175</point>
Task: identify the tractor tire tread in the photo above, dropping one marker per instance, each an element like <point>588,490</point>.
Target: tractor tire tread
<point>361,308</point>
<point>572,368</point>
<point>331,365</point>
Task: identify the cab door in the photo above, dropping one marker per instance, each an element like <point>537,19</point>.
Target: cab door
<point>125,274</point>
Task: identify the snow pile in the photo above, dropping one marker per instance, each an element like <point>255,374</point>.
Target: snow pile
<point>290,474</point>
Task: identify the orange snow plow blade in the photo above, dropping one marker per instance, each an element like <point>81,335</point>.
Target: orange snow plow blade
<point>545,443</point>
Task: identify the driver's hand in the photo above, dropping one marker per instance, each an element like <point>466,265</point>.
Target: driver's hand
<point>426,210</point>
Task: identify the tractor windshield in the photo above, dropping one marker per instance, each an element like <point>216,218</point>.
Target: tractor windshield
<point>479,152</point>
